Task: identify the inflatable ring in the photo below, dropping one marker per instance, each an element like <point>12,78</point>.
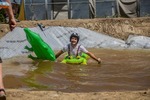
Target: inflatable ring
<point>77,60</point>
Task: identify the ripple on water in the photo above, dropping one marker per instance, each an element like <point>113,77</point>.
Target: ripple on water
<point>120,70</point>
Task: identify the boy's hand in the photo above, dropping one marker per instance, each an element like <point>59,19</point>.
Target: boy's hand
<point>99,60</point>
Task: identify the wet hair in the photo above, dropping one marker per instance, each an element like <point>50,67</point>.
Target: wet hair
<point>75,35</point>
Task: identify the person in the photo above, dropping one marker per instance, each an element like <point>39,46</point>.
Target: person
<point>2,91</point>
<point>74,49</point>
<point>12,25</point>
<point>12,21</point>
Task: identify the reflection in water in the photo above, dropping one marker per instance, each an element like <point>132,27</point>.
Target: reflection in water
<point>41,69</point>
<point>120,70</point>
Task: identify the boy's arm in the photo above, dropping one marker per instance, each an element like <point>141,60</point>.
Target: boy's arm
<point>59,53</point>
<point>94,57</point>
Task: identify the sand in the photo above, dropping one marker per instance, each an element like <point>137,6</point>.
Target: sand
<point>14,94</point>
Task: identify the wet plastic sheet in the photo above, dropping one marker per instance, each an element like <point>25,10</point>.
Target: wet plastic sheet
<point>13,43</point>
<point>138,42</point>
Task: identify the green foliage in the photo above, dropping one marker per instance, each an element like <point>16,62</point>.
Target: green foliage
<point>2,16</point>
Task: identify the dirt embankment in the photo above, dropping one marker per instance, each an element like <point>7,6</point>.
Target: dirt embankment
<point>116,27</point>
<point>53,95</point>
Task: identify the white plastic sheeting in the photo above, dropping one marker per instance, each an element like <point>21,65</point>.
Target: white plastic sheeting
<point>13,43</point>
<point>138,42</point>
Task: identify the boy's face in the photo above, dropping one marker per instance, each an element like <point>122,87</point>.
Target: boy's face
<point>74,40</point>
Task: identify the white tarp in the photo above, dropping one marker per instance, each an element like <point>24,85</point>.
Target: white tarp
<point>138,42</point>
<point>13,43</point>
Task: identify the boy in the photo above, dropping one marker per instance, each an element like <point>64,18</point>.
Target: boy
<point>74,49</point>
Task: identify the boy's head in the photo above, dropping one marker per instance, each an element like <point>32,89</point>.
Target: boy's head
<point>74,38</point>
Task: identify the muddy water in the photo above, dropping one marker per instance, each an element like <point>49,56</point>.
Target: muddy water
<point>120,70</point>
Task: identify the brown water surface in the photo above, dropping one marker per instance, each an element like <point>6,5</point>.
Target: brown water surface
<point>120,70</point>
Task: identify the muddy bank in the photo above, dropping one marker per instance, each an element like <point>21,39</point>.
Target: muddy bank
<point>52,95</point>
<point>116,27</point>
